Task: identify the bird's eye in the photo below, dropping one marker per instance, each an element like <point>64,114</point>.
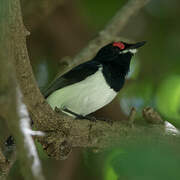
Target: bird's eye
<point>120,45</point>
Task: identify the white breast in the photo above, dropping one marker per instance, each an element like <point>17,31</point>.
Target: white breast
<point>84,97</point>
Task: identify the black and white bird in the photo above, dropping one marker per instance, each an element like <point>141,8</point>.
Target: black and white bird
<point>93,84</point>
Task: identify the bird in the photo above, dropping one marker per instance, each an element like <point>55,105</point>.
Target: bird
<point>93,84</point>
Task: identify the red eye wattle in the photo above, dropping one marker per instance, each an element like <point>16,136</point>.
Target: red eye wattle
<point>120,45</point>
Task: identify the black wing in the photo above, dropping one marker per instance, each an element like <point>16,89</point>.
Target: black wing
<point>75,75</point>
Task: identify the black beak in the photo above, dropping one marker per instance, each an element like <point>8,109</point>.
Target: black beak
<point>137,45</point>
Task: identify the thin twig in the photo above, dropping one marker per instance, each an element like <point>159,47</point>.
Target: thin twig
<point>131,117</point>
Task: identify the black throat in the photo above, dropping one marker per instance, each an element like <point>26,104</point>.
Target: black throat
<point>116,70</point>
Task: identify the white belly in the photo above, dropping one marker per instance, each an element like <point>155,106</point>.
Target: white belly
<point>84,97</point>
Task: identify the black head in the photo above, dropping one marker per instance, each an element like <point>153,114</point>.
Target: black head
<point>115,58</point>
<point>117,51</point>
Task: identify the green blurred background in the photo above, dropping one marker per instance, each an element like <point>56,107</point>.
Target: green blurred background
<point>154,80</point>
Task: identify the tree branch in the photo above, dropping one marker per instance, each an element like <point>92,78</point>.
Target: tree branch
<point>4,166</point>
<point>7,79</point>
<point>6,163</point>
<point>10,111</point>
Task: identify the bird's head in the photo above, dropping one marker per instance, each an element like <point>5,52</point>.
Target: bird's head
<point>118,51</point>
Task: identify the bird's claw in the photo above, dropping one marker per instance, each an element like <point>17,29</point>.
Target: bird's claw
<point>90,118</point>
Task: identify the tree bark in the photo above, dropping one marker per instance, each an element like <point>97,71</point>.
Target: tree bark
<point>12,31</point>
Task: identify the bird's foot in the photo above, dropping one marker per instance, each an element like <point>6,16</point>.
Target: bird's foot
<point>79,116</point>
<point>90,118</point>
<point>57,110</point>
<point>65,109</point>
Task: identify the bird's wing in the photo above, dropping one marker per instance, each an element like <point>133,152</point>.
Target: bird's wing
<point>75,75</point>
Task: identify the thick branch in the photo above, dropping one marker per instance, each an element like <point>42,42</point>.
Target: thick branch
<point>7,79</point>
<point>11,31</point>
<point>4,167</point>
<point>6,164</point>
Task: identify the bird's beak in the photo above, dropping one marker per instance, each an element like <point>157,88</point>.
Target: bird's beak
<point>136,45</point>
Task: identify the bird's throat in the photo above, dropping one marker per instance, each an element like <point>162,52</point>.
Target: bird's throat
<point>115,73</point>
